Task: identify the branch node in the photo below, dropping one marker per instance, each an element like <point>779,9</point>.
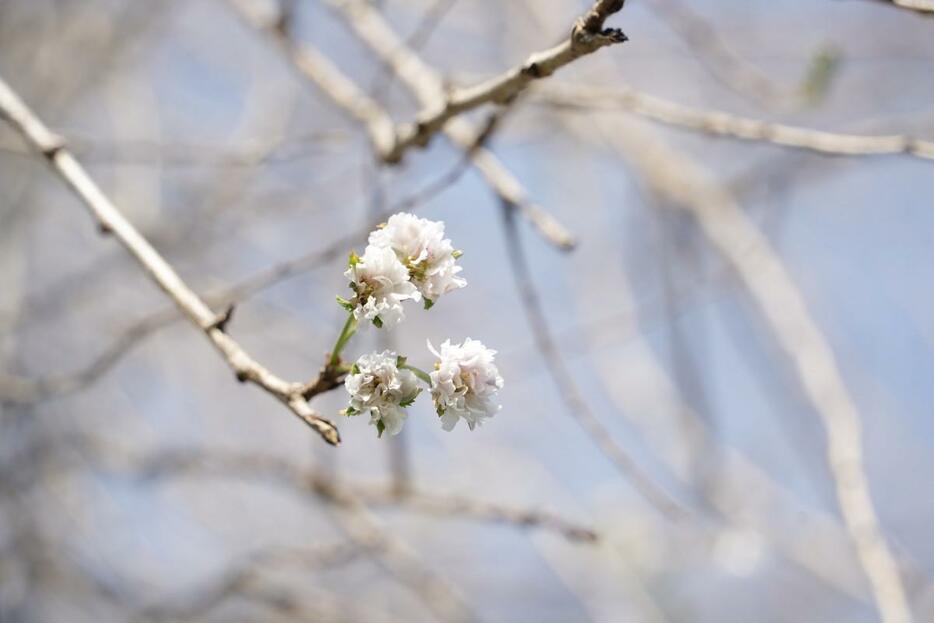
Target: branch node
<point>533,70</point>
<point>329,377</point>
<point>52,145</point>
<point>282,21</point>
<point>423,133</point>
<point>221,320</point>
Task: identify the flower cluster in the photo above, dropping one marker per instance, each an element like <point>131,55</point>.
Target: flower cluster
<point>380,283</point>
<point>421,247</point>
<point>463,383</point>
<point>409,259</point>
<point>378,387</point>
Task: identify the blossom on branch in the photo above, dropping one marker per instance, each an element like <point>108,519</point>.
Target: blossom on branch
<point>463,383</point>
<point>380,283</point>
<point>380,387</point>
<point>422,248</point>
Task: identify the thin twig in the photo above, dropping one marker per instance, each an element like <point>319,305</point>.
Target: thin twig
<point>570,394</point>
<point>111,221</point>
<point>720,123</point>
<point>226,464</point>
<point>240,576</point>
<point>587,36</point>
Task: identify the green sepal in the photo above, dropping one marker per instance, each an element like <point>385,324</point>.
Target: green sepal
<point>349,411</point>
<point>429,303</point>
<point>353,260</point>
<point>378,322</point>
<point>410,401</point>
<point>380,427</point>
<point>457,254</point>
<point>345,303</point>
<point>355,369</point>
<point>400,361</point>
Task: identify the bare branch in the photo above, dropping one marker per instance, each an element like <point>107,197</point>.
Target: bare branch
<point>25,390</point>
<point>587,36</point>
<point>314,65</point>
<point>111,221</point>
<point>399,559</point>
<point>184,154</point>
<point>347,96</point>
<point>924,7</point>
<point>428,87</point>
<point>686,184</point>
<point>572,397</point>
<point>222,464</point>
<point>240,576</point>
<point>733,71</point>
<point>725,124</point>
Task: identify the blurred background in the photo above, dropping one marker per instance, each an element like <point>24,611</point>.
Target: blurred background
<point>732,308</point>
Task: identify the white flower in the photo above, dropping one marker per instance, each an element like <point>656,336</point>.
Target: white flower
<point>463,383</point>
<point>421,246</point>
<point>379,387</point>
<point>381,284</point>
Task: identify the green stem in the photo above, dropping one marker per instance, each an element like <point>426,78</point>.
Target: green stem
<point>350,327</point>
<point>421,374</point>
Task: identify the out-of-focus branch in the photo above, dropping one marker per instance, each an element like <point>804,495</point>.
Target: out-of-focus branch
<point>686,184</point>
<point>27,390</point>
<point>399,559</point>
<point>428,87</point>
<point>347,96</point>
<point>924,7</point>
<point>351,503</point>
<point>314,65</point>
<point>587,36</point>
<point>720,123</point>
<point>180,154</point>
<point>220,464</point>
<point>111,221</point>
<point>563,381</point>
<point>733,71</point>
<point>426,26</point>
<point>240,577</point>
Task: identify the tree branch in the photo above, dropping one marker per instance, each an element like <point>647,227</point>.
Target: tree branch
<point>924,7</point>
<point>28,390</point>
<point>239,578</point>
<point>567,389</point>
<point>587,36</point>
<point>111,221</point>
<point>347,96</point>
<point>721,62</point>
<point>428,88</point>
<point>720,123</point>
